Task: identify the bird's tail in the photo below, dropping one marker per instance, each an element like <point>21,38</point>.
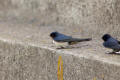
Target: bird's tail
<point>76,40</point>
<point>80,40</point>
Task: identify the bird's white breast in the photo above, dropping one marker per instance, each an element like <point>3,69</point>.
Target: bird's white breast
<point>60,44</point>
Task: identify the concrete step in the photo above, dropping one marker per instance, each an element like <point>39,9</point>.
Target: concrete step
<point>27,53</point>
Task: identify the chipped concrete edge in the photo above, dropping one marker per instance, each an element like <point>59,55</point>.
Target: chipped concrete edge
<point>15,42</point>
<point>36,62</point>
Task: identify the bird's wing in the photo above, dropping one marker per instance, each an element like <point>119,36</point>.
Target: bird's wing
<point>65,38</point>
<point>76,40</point>
<point>70,39</point>
<point>62,38</point>
<point>112,43</point>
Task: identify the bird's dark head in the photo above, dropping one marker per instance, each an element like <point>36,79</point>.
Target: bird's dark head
<point>53,34</point>
<point>106,37</point>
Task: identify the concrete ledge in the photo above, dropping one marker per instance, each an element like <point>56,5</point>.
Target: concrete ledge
<point>25,59</point>
<point>26,52</point>
<point>28,62</point>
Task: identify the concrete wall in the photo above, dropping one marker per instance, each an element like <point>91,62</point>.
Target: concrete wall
<point>98,16</point>
<point>27,62</point>
<point>21,61</point>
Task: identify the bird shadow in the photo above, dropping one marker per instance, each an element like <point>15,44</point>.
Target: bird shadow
<point>68,48</point>
<point>71,47</point>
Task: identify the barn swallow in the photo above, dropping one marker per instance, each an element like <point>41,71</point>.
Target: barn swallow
<point>63,40</point>
<point>111,43</point>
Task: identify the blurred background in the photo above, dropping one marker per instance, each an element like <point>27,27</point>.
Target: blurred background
<point>84,17</point>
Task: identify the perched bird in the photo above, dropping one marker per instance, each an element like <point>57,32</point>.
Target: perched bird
<point>62,40</point>
<point>111,43</point>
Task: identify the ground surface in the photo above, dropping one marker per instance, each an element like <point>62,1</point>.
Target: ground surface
<point>39,35</point>
<point>27,52</point>
<point>30,50</point>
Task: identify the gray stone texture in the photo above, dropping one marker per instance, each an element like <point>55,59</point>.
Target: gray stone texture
<point>87,16</point>
<point>27,52</point>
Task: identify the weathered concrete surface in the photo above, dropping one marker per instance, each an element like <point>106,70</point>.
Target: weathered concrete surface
<point>25,54</point>
<point>98,16</point>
